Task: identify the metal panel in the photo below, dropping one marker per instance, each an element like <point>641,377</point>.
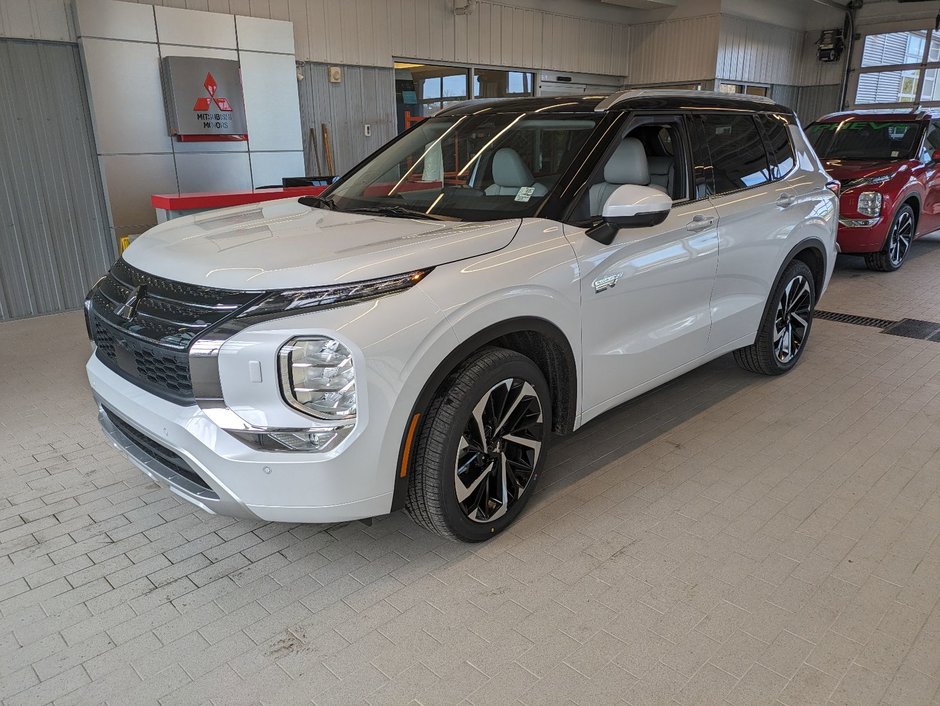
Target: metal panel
<point>36,19</point>
<point>54,237</point>
<point>816,101</point>
<point>131,180</point>
<point>264,35</point>
<point>753,51</point>
<point>268,168</point>
<point>198,29</point>
<point>366,96</point>
<point>270,85</point>
<point>109,19</point>
<point>123,78</point>
<point>223,171</point>
<point>674,51</point>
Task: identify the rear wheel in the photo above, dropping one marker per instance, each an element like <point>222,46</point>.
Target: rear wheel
<point>785,329</point>
<point>897,244</point>
<point>482,447</point>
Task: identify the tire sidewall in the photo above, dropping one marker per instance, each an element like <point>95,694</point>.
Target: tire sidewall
<point>461,525</point>
<point>887,245</point>
<point>795,268</point>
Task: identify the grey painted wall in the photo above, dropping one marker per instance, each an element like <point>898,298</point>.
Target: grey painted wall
<point>54,235</point>
<point>365,96</point>
<point>815,101</point>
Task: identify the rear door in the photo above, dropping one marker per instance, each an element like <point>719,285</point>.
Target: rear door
<point>757,195</point>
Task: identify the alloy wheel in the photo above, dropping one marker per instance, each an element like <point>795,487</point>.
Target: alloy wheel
<point>498,451</point>
<point>899,242</point>
<point>791,323</point>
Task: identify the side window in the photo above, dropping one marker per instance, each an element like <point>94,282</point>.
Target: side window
<point>931,141</point>
<point>737,152</point>
<point>651,153</point>
<point>779,148</point>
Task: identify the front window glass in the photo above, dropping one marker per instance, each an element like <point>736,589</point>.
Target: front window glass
<point>864,139</point>
<point>472,167</point>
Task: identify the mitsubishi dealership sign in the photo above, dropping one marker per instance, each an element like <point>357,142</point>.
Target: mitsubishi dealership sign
<point>204,100</point>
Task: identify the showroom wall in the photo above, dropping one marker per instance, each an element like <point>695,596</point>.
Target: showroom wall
<point>54,240</point>
<point>122,45</point>
<point>365,95</point>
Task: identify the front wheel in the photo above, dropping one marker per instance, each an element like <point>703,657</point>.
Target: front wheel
<point>785,329</point>
<point>482,447</point>
<point>897,244</point>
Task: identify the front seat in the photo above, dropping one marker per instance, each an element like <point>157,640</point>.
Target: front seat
<point>662,170</point>
<point>510,174</point>
<point>627,165</point>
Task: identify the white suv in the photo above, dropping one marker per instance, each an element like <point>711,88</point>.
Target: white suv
<point>503,271</point>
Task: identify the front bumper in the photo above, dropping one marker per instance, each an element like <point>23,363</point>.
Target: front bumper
<point>237,480</point>
<point>863,238</point>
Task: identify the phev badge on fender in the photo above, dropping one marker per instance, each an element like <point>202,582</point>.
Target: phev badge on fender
<point>606,282</point>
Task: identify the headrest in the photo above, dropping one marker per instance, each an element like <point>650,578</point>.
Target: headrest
<point>509,169</point>
<point>628,164</point>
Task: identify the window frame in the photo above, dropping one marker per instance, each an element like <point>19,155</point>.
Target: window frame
<point>921,67</point>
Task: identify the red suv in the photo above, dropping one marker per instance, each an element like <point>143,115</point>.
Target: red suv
<point>888,162</point>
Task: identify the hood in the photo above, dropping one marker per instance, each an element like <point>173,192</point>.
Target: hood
<point>846,170</point>
<point>285,245</point>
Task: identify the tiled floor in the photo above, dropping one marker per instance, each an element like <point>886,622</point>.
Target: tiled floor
<point>728,538</point>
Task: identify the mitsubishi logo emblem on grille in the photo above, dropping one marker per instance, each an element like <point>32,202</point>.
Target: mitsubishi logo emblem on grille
<point>127,310</point>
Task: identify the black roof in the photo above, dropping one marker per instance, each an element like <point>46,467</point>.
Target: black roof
<point>640,99</point>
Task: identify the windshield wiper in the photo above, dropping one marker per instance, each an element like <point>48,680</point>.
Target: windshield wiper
<point>400,212</point>
<point>317,202</point>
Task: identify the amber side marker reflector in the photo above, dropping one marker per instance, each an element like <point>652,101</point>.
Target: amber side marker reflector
<point>406,454</point>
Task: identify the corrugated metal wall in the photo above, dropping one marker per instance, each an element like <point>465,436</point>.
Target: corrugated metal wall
<point>674,50</point>
<point>54,237</point>
<point>372,32</point>
<point>365,96</point>
<point>752,51</point>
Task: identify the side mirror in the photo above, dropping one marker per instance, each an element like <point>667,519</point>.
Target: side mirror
<point>935,156</point>
<point>631,206</point>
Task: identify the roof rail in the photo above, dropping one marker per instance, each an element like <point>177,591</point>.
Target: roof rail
<point>621,96</point>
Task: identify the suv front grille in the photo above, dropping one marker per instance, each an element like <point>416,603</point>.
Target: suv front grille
<point>144,325</point>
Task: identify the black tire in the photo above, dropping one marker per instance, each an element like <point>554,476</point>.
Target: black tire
<point>486,383</point>
<point>897,243</point>
<point>790,306</point>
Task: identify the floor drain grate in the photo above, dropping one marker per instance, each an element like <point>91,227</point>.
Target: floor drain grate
<point>853,319</point>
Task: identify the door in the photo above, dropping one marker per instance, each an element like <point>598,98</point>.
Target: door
<point>645,296</point>
<point>930,211</point>
<point>758,201</point>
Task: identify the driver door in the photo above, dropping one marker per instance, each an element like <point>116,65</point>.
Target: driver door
<point>645,297</point>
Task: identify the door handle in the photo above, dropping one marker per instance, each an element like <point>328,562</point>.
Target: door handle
<point>700,222</point>
<point>785,200</point>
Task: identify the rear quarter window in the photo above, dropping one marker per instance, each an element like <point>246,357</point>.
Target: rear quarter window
<point>779,148</point>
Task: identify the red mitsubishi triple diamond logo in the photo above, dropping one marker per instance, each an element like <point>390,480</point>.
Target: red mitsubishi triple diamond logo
<point>203,104</point>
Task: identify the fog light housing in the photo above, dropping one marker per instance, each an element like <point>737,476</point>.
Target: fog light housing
<point>869,203</point>
<point>313,440</point>
<point>317,377</point>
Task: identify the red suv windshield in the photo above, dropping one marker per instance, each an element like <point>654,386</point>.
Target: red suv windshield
<point>865,139</point>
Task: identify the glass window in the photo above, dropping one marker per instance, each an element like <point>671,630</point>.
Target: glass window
<point>492,83</point>
<point>887,87</point>
<point>931,88</point>
<point>423,89</point>
<point>737,152</point>
<point>931,142</point>
<point>781,156</point>
<point>894,48</point>
<point>472,167</point>
<point>865,139</point>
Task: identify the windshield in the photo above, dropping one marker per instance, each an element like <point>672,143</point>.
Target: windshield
<point>472,167</point>
<point>864,139</point>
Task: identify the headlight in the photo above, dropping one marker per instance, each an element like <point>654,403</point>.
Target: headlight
<point>318,377</point>
<point>866,181</point>
<point>869,203</point>
<point>299,300</point>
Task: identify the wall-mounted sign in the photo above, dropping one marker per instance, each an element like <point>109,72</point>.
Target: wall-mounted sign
<point>204,100</point>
